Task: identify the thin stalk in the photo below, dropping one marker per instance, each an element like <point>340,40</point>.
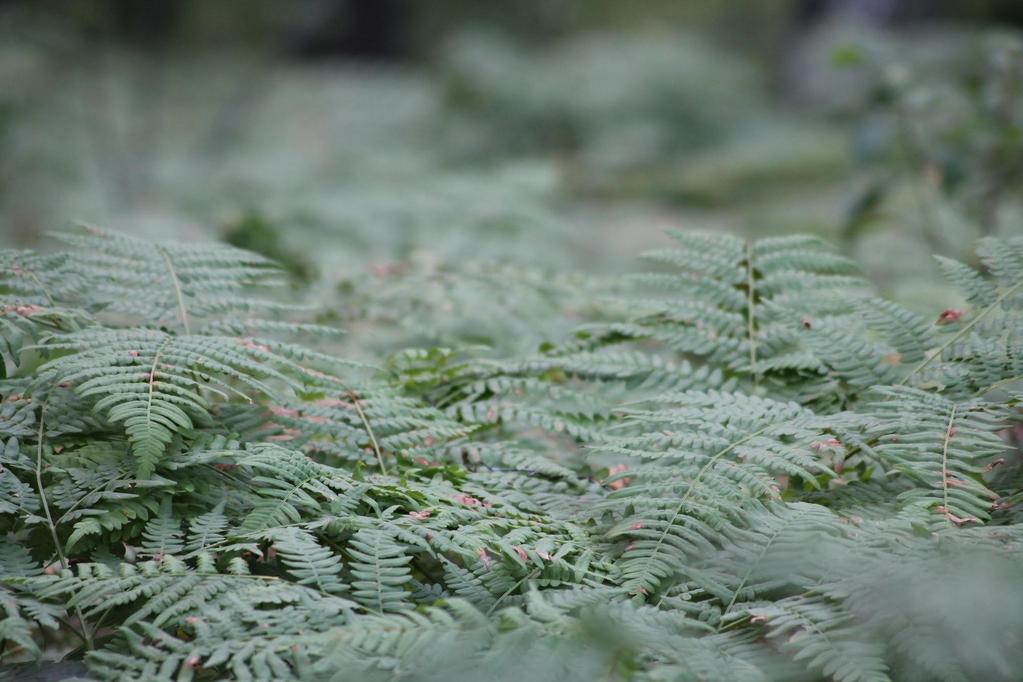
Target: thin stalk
<point>152,381</point>
<point>511,589</point>
<point>46,292</point>
<point>369,431</point>
<point>749,572</point>
<point>49,520</point>
<point>944,463</point>
<point>962,332</point>
<point>177,290</point>
<point>699,475</point>
<point>751,313</point>
<point>998,384</point>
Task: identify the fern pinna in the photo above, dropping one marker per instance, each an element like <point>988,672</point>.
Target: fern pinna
<point>754,469</point>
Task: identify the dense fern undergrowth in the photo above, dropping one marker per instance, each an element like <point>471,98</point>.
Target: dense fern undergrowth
<point>741,465</point>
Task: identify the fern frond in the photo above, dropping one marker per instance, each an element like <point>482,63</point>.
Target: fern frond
<point>287,485</point>
<point>35,281</point>
<point>169,282</point>
<point>738,305</point>
<point>944,446</point>
<point>712,452</point>
<point>826,638</point>
<point>308,561</point>
<point>159,386</point>
<point>163,535</point>
<point>206,530</point>
<point>380,571</point>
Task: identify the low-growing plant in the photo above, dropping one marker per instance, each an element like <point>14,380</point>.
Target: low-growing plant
<point>749,468</point>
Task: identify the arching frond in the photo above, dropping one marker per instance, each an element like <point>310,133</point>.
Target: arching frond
<point>159,386</point>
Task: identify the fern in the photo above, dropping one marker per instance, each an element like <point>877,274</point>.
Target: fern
<point>692,466</point>
<point>309,562</point>
<point>183,284</point>
<point>828,641</point>
<point>207,530</point>
<point>733,303</point>
<point>965,352</point>
<point>759,473</point>
<point>945,445</point>
<point>157,384</point>
<point>379,570</point>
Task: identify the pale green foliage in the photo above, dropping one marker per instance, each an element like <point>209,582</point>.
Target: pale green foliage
<point>965,352</point>
<point>699,459</point>
<point>735,305</point>
<point>156,384</point>
<point>762,471</point>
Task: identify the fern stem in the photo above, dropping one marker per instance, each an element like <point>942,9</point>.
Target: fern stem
<point>103,616</point>
<point>532,574</point>
<point>152,382</point>
<point>749,571</point>
<point>177,290</point>
<point>369,431</point>
<point>735,623</point>
<point>85,636</point>
<point>944,462</point>
<point>70,628</point>
<point>42,287</point>
<point>89,494</point>
<point>42,493</point>
<point>696,479</point>
<point>253,534</point>
<point>997,385</point>
<point>750,313</point>
<point>962,332</point>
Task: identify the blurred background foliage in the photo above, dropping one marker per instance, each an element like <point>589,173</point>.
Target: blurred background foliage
<point>429,172</point>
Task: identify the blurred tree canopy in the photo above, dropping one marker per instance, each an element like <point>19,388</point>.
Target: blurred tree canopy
<point>403,29</point>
